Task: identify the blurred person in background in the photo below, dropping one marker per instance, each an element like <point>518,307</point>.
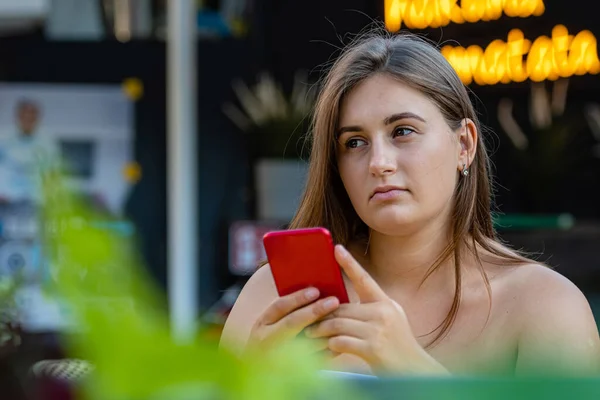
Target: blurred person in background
<point>400,176</point>
<point>24,153</point>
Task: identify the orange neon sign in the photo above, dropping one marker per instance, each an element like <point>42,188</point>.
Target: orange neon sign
<point>421,14</point>
<point>561,55</point>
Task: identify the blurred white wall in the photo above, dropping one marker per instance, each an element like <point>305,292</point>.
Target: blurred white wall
<point>21,15</point>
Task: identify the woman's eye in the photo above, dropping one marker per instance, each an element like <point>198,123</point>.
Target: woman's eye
<point>354,143</point>
<point>402,131</point>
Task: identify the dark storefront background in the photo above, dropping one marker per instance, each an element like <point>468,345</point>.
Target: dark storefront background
<point>288,36</point>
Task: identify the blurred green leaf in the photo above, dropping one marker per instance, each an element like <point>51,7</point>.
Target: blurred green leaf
<point>123,328</point>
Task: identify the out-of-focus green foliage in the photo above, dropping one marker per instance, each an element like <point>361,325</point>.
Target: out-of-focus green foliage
<point>123,328</point>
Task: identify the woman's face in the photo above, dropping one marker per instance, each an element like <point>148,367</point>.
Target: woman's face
<point>398,158</point>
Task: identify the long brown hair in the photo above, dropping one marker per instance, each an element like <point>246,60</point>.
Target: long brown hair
<point>415,62</point>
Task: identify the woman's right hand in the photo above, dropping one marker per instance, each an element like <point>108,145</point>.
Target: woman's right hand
<point>288,316</point>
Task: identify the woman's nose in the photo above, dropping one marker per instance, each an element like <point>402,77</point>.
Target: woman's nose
<point>382,160</point>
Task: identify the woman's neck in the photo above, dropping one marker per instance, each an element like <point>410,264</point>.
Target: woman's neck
<point>401,263</point>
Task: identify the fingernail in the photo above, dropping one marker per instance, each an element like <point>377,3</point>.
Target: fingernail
<point>311,293</point>
<point>330,303</point>
<point>342,249</point>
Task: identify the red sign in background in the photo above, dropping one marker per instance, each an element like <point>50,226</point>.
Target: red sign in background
<point>246,247</point>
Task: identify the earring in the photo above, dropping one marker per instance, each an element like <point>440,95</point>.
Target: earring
<point>465,170</point>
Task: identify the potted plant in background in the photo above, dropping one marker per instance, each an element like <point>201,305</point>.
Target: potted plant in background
<point>275,125</point>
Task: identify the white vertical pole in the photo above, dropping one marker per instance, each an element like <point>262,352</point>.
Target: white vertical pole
<point>182,168</point>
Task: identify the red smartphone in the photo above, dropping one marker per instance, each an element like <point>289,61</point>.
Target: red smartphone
<point>302,258</point>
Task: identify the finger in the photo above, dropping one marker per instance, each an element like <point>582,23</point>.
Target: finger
<point>314,345</point>
<point>328,353</point>
<point>361,312</point>
<point>339,327</point>
<point>293,323</point>
<point>319,345</point>
<point>367,289</point>
<point>284,305</point>
<point>350,345</point>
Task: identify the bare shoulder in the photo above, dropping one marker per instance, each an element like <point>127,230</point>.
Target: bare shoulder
<point>537,285</point>
<point>537,290</point>
<point>255,297</point>
<point>557,326</point>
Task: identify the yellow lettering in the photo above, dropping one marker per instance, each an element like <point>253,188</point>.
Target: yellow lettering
<point>493,10</point>
<point>420,14</point>
<point>393,13</point>
<point>539,59</point>
<point>472,10</point>
<point>444,16</point>
<point>456,14</point>
<point>491,68</point>
<point>561,55</point>
<point>517,46</point>
<point>521,8</point>
<point>561,41</point>
<point>459,58</point>
<point>583,55</point>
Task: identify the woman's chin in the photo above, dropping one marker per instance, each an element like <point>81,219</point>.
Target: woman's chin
<point>396,224</point>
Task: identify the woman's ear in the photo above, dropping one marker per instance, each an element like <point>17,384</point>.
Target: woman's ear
<point>467,140</point>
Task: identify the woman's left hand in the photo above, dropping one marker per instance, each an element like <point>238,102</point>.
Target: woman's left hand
<point>376,329</point>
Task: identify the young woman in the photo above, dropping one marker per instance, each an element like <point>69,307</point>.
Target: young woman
<point>399,174</point>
